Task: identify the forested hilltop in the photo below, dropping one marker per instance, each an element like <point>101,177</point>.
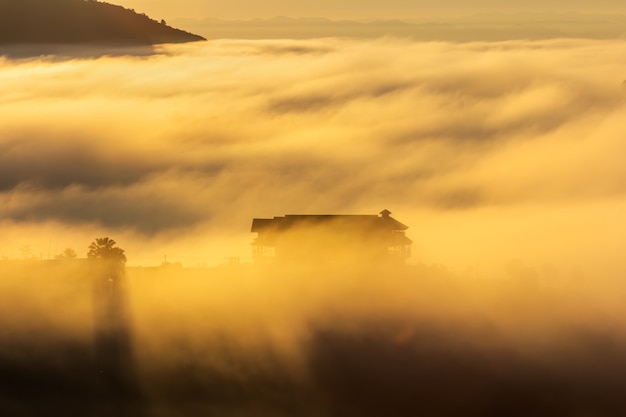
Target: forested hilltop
<point>82,22</point>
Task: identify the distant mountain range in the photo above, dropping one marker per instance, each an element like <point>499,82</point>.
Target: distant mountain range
<point>478,27</point>
<point>82,22</point>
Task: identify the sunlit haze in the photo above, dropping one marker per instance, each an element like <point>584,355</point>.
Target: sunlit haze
<point>247,9</point>
<point>313,217</point>
<point>489,152</point>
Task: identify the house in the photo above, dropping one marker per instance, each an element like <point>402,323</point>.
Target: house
<point>305,238</point>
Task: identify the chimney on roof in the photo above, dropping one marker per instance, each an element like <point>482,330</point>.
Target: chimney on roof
<point>385,213</point>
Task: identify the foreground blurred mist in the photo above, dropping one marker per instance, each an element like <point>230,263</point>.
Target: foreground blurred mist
<point>282,341</point>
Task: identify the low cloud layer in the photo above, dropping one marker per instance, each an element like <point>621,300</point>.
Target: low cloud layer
<point>505,159</point>
<point>186,146</point>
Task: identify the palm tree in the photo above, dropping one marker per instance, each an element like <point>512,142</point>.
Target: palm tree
<point>104,248</point>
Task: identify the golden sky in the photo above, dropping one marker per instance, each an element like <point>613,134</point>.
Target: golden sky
<point>237,9</point>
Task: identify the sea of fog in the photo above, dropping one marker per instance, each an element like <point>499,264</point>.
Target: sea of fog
<point>506,151</point>
<point>505,159</point>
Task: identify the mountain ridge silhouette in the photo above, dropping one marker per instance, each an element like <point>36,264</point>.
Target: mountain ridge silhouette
<point>82,22</point>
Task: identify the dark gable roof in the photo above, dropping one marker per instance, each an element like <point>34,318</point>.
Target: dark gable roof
<point>342,221</point>
<point>261,224</point>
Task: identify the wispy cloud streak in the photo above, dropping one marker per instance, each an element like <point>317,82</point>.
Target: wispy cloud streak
<point>212,135</point>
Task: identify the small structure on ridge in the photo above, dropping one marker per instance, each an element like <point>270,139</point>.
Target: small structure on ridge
<point>331,238</point>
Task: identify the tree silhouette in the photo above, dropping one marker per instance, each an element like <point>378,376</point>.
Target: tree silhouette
<point>104,248</point>
<point>113,342</point>
<point>26,251</point>
<point>68,253</point>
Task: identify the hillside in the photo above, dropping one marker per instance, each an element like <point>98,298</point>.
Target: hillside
<point>82,22</point>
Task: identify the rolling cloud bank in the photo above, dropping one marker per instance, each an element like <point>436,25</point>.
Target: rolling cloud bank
<point>504,158</point>
<point>479,147</point>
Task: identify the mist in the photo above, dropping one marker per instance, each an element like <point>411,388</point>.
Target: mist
<point>284,340</point>
<point>503,158</point>
<point>490,152</point>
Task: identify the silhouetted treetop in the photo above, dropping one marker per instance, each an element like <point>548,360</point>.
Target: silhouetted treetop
<point>68,253</point>
<point>81,21</point>
<point>104,248</point>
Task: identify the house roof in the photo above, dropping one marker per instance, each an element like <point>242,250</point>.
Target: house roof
<point>340,221</point>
